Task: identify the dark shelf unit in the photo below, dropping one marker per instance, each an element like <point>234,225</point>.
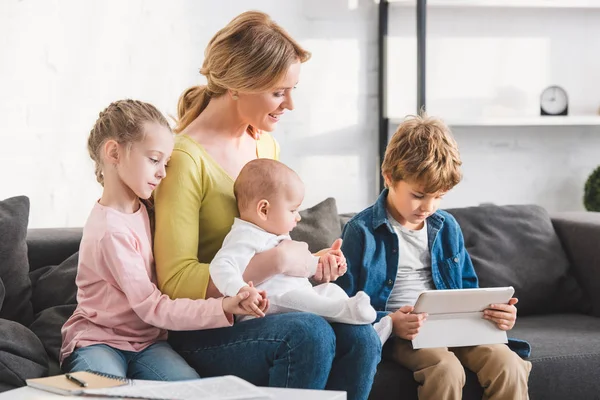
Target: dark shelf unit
<point>384,122</point>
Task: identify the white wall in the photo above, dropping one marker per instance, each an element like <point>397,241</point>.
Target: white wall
<point>62,61</point>
<point>494,62</point>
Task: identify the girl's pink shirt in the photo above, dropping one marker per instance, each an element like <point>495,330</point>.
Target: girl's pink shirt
<point>119,303</point>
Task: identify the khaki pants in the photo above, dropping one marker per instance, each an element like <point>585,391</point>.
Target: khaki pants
<point>440,374</point>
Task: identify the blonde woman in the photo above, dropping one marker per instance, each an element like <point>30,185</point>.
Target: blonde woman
<point>252,66</point>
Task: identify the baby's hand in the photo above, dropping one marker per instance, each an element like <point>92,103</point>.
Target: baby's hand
<point>406,325</point>
<point>256,303</point>
<point>333,262</point>
<point>503,315</point>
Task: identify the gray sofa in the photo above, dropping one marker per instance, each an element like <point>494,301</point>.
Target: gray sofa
<point>553,263</point>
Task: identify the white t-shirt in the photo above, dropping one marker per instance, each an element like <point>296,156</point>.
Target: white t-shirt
<point>414,266</point>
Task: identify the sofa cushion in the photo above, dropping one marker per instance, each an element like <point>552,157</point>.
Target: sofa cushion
<point>319,226</point>
<point>517,246</point>
<point>56,286</point>
<point>579,233</point>
<point>47,326</point>
<point>2,294</point>
<point>22,355</point>
<point>54,299</point>
<point>565,356</point>
<point>14,266</point>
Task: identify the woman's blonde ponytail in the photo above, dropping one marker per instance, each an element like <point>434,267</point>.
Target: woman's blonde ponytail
<point>191,103</point>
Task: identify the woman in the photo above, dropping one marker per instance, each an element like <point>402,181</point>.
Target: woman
<point>251,66</point>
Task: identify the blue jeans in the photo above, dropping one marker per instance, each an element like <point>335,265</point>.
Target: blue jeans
<point>158,362</point>
<point>297,350</point>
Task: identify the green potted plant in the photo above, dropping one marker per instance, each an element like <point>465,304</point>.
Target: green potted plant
<point>591,191</point>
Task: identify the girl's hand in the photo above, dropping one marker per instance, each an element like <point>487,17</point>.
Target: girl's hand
<point>503,315</point>
<point>231,305</point>
<point>406,325</point>
<point>263,303</point>
<point>332,263</point>
<point>255,303</point>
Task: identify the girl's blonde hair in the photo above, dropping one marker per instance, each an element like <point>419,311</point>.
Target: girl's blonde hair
<point>122,121</point>
<point>423,151</point>
<point>251,54</point>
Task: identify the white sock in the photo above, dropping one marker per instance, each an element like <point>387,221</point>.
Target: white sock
<point>360,309</point>
<point>383,328</point>
<point>333,305</point>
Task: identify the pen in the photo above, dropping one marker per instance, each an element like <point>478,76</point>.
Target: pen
<point>76,380</point>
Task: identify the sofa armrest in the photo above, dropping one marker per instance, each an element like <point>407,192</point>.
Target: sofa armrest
<point>51,246</point>
<point>579,233</point>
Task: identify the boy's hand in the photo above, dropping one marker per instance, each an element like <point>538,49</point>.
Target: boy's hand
<point>256,303</point>
<point>503,315</point>
<point>406,325</point>
<point>332,263</point>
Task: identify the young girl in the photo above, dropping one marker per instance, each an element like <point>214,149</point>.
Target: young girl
<point>119,326</point>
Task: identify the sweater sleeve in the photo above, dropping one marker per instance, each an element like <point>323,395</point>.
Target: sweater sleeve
<point>177,201</point>
<point>120,256</point>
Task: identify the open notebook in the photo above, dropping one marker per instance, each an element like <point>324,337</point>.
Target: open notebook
<point>102,385</point>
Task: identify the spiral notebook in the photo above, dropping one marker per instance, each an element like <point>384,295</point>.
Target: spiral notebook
<point>61,384</point>
<point>103,385</point>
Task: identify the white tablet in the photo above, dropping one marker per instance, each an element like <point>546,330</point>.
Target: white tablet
<point>461,300</point>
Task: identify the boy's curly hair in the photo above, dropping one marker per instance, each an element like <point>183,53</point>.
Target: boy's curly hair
<point>422,151</point>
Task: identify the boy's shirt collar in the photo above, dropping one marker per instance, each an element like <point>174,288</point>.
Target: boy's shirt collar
<point>380,217</point>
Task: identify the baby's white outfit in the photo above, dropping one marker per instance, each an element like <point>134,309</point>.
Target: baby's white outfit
<point>285,293</point>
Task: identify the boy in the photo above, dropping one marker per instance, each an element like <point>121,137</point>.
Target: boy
<point>403,245</point>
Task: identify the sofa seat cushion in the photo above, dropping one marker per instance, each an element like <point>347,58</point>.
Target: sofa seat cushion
<point>565,354</point>
<point>15,287</point>
<point>517,246</point>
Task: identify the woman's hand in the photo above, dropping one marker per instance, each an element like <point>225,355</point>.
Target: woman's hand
<point>294,258</point>
<point>503,315</point>
<point>332,263</point>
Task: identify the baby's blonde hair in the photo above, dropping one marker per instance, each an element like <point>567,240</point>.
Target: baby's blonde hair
<point>122,121</point>
<point>252,54</point>
<point>422,151</point>
<point>262,178</point>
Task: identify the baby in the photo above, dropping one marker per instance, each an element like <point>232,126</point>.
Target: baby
<point>268,195</point>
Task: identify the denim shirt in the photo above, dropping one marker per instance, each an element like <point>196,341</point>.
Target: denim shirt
<point>371,249</point>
